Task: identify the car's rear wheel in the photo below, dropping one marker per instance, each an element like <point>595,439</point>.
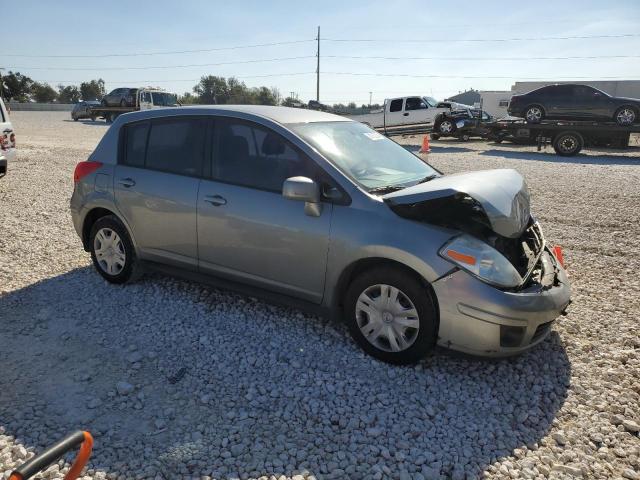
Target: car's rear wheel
<point>534,114</point>
<point>112,251</point>
<point>391,315</point>
<point>568,144</point>
<point>446,127</point>
<point>625,116</point>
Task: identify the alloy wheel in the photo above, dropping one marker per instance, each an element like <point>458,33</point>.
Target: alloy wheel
<point>568,144</point>
<point>446,126</point>
<point>626,116</point>
<point>387,318</point>
<point>109,251</point>
<point>534,114</point>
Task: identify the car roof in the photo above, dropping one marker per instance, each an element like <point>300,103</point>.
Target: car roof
<point>282,115</point>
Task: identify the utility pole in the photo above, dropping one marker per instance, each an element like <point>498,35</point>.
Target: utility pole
<point>318,69</point>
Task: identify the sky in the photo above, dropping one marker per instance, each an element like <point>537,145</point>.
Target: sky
<point>423,47</point>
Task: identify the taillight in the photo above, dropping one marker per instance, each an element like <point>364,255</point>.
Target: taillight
<point>83,169</point>
<point>4,143</point>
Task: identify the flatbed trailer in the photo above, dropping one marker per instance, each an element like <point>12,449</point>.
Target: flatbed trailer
<point>110,113</point>
<point>568,138</point>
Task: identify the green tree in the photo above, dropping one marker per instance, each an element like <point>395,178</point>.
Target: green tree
<point>43,92</point>
<point>17,86</point>
<point>266,96</point>
<point>93,90</point>
<point>212,90</point>
<point>68,94</point>
<point>187,99</point>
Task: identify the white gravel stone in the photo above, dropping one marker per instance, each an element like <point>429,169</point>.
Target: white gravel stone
<point>227,386</point>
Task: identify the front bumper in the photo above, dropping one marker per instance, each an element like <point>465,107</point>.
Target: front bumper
<point>473,314</point>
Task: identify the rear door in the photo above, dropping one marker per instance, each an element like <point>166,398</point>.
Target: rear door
<point>246,229</point>
<point>394,112</point>
<point>156,186</point>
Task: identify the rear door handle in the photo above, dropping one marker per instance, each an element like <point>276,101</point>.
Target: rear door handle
<point>127,182</point>
<point>215,200</point>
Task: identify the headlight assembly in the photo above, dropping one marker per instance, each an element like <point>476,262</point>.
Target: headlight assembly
<point>481,260</point>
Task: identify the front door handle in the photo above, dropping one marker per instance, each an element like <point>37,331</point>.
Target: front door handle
<point>405,114</point>
<point>127,182</point>
<point>215,200</point>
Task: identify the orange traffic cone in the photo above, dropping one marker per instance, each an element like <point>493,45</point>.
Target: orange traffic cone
<point>425,144</point>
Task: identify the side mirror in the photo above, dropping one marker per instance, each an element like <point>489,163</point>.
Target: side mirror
<point>303,189</point>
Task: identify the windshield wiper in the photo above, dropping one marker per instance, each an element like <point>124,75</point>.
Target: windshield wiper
<point>428,178</point>
<point>386,189</point>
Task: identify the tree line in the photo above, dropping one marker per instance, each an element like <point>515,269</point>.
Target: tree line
<point>209,90</point>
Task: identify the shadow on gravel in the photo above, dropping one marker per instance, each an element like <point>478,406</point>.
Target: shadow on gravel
<point>549,156</point>
<point>97,123</point>
<point>175,378</point>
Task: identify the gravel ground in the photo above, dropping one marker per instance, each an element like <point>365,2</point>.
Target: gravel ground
<point>179,380</point>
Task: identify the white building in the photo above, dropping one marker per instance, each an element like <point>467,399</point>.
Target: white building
<point>495,102</point>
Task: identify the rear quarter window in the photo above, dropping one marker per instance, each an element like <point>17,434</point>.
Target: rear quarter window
<point>135,144</point>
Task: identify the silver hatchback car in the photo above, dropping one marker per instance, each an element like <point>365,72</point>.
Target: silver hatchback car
<point>315,209</point>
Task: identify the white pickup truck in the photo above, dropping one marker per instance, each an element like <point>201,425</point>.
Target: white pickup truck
<point>404,113</point>
<point>7,139</point>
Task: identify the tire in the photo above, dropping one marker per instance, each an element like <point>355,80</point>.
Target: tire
<point>534,114</point>
<point>465,138</point>
<point>116,262</point>
<point>371,286</point>
<point>447,127</point>
<point>435,136</point>
<point>75,119</point>
<point>625,115</point>
<point>568,144</point>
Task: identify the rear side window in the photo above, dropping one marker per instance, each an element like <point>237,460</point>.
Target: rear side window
<point>176,146</point>
<point>396,105</point>
<point>135,144</point>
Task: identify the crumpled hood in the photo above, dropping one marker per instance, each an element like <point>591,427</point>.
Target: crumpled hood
<point>502,195</point>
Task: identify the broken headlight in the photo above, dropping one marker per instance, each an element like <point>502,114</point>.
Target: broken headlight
<point>481,260</point>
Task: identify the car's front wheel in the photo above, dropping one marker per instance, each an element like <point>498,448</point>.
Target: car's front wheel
<point>625,116</point>
<point>447,127</point>
<point>112,251</point>
<point>391,315</point>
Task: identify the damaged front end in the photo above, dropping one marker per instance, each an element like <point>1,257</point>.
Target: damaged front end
<point>489,207</point>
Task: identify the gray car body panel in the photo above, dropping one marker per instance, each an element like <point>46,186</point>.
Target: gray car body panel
<point>264,240</point>
<point>502,194</point>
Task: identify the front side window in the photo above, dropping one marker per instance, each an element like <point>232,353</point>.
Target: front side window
<point>135,135</point>
<point>367,157</point>
<point>254,156</point>
<point>414,103</point>
<point>176,146</point>
<point>396,105</point>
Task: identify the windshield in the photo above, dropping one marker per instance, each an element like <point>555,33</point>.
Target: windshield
<point>367,157</point>
<point>164,99</point>
<point>432,102</point>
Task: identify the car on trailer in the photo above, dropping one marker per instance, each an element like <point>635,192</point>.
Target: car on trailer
<point>462,124</point>
<point>574,102</point>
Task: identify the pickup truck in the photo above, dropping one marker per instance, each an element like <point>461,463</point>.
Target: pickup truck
<point>404,114</point>
<point>7,139</point>
<point>144,98</point>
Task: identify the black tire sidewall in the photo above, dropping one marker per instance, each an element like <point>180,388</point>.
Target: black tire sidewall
<point>420,296</point>
<point>559,138</point>
<point>112,222</point>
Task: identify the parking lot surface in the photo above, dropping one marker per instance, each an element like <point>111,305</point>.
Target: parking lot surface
<point>180,380</point>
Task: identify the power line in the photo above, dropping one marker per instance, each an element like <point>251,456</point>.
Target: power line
<point>262,60</point>
<point>450,40</point>
<point>592,57</point>
<point>172,52</point>
<point>182,80</point>
<point>519,77</point>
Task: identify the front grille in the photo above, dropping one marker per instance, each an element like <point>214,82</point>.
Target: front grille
<point>541,331</point>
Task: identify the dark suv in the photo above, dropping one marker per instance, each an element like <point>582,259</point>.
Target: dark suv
<point>120,97</point>
<point>573,102</point>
